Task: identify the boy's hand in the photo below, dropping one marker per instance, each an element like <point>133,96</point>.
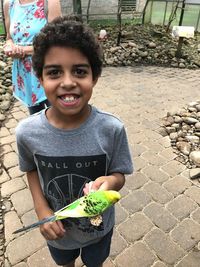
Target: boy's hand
<point>102,184</point>
<point>88,188</point>
<point>51,230</point>
<point>98,184</point>
<point>114,181</point>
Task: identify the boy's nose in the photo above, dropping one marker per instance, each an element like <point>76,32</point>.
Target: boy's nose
<point>68,81</point>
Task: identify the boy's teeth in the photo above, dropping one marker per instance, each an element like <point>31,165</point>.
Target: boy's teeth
<point>68,98</point>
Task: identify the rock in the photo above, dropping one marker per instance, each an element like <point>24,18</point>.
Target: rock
<point>184,147</point>
<point>195,157</point>
<point>197,125</point>
<point>2,117</point>
<point>194,173</point>
<point>115,49</point>
<point>2,64</point>
<point>183,129</point>
<point>143,54</point>
<point>192,138</point>
<point>181,65</point>
<point>170,130</point>
<point>5,105</point>
<point>193,104</point>
<point>198,107</point>
<point>173,136</point>
<point>190,120</point>
<point>151,45</point>
<point>131,44</point>
<point>177,119</point>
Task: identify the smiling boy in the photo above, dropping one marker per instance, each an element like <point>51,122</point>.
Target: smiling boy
<point>85,144</point>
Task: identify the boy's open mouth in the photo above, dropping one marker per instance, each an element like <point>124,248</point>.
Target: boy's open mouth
<point>69,98</point>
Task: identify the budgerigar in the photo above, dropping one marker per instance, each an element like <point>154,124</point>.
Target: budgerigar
<point>90,205</point>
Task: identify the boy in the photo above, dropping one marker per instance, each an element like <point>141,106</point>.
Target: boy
<point>71,145</point>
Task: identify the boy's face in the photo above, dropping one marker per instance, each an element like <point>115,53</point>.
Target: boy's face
<point>68,82</point>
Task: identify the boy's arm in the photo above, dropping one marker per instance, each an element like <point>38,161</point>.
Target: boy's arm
<point>50,230</point>
<point>115,181</point>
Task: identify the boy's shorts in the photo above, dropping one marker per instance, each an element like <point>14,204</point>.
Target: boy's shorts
<point>92,255</point>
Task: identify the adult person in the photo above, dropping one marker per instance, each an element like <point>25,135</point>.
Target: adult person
<point>24,19</point>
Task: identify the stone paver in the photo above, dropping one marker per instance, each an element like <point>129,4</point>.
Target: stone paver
<point>24,246</point>
<point>155,174</point>
<point>12,186</point>
<point>181,206</point>
<point>166,249</point>
<point>186,234</point>
<point>177,185</point>
<point>158,217</point>
<point>7,139</point>
<point>41,259</point>
<point>194,193</point>
<point>135,201</point>
<point>131,229</point>
<point>190,260</point>
<point>11,160</point>
<point>118,245</point>
<point>158,193</point>
<point>4,132</point>
<point>4,177</point>
<point>22,201</point>
<point>137,255</point>
<point>12,223</point>
<point>136,181</point>
<point>15,172</point>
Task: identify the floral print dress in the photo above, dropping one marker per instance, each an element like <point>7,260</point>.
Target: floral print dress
<point>26,20</point>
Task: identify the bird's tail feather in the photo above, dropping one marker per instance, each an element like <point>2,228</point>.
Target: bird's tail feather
<point>31,226</point>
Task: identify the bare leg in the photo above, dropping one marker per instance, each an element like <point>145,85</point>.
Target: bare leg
<point>71,264</point>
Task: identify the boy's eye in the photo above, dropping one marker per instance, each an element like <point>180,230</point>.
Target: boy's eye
<point>54,73</point>
<point>80,72</point>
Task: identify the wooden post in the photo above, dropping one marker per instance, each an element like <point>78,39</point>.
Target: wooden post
<point>179,47</point>
<point>119,19</point>
<point>182,13</point>
<point>88,11</point>
<point>198,19</point>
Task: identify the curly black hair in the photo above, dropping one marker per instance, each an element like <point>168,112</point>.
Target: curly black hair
<point>67,31</point>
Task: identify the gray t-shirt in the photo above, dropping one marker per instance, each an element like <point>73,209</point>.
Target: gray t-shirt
<point>67,159</point>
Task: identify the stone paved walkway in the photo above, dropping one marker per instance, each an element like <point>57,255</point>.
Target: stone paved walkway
<point>158,218</point>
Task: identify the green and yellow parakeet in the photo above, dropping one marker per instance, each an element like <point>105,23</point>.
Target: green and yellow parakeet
<point>90,205</point>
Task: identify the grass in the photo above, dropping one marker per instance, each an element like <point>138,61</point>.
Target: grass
<point>2,29</point>
<point>112,22</point>
<point>156,16</point>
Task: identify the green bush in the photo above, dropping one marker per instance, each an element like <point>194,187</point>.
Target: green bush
<point>2,29</point>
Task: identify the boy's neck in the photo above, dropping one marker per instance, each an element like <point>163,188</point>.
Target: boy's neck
<point>62,121</point>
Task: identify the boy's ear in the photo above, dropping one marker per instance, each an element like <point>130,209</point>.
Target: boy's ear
<point>95,81</point>
<point>41,80</point>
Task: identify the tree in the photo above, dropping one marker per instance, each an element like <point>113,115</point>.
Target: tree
<point>77,7</point>
<point>172,17</point>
